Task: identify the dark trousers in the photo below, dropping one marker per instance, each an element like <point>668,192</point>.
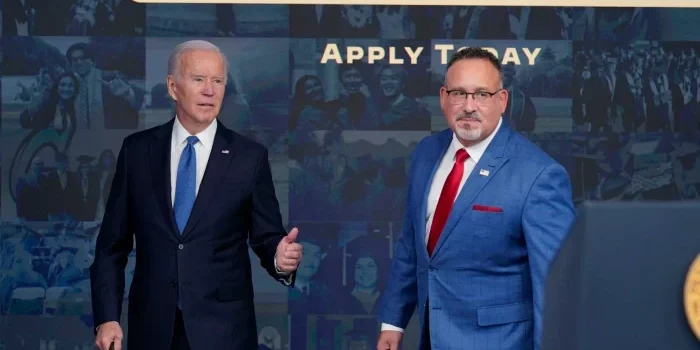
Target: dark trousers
<point>179,336</point>
<point>425,338</point>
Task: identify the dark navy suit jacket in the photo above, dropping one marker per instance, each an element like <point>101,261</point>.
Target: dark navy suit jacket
<point>208,265</point>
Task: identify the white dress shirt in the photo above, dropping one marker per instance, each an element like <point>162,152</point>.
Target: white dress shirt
<point>202,150</point>
<point>475,152</point>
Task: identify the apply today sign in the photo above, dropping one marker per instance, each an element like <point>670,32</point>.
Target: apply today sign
<point>394,54</point>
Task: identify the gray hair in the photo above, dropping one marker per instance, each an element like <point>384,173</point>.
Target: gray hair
<point>193,45</point>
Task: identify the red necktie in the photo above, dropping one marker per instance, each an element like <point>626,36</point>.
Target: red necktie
<point>447,198</point>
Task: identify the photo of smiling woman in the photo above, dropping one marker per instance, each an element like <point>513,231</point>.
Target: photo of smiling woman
<point>309,110</point>
<point>366,268</point>
<point>58,110</point>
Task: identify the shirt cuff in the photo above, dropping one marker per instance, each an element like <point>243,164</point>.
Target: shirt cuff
<point>282,273</point>
<point>286,276</point>
<point>388,327</point>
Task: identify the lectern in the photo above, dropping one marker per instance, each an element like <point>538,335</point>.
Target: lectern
<point>618,280</point>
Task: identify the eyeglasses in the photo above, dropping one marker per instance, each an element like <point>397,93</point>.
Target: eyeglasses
<point>459,96</point>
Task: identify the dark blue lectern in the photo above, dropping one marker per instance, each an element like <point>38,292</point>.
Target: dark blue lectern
<point>617,282</point>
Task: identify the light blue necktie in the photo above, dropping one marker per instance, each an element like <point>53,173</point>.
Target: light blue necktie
<point>185,189</point>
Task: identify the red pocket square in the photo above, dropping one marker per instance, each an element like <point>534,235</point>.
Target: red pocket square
<point>487,208</point>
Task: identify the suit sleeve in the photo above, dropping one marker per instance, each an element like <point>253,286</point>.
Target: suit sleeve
<point>547,218</point>
<point>266,229</point>
<point>114,243</point>
<point>401,293</point>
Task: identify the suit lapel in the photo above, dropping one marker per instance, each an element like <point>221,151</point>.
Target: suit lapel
<point>492,161</point>
<point>216,167</point>
<point>159,153</point>
<point>424,176</point>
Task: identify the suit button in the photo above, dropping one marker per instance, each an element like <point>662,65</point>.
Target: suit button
<point>173,284</point>
<point>180,246</point>
<point>431,269</point>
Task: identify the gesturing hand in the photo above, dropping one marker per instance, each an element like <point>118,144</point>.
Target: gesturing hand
<point>289,252</point>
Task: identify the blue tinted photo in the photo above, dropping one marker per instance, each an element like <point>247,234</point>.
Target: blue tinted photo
<point>317,279</point>
<point>359,21</point>
<point>363,94</point>
<point>218,20</point>
<point>620,24</point>
<point>647,166</point>
<point>45,272</point>
<point>73,18</point>
<point>350,175</point>
<point>73,169</point>
<point>69,83</point>
<point>678,24</point>
<point>343,332</point>
<point>496,22</point>
<point>366,262</point>
<point>637,87</point>
<point>273,331</point>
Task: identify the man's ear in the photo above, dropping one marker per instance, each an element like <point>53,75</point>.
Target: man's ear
<point>443,97</point>
<point>172,90</point>
<point>503,95</point>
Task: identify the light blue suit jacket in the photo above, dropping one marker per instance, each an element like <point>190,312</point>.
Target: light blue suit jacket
<point>484,284</point>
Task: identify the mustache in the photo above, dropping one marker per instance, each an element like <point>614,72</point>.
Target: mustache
<point>469,116</point>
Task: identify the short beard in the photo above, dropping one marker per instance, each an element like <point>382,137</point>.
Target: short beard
<point>469,134</point>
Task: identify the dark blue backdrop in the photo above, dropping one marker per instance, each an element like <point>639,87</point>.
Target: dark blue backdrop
<point>613,94</point>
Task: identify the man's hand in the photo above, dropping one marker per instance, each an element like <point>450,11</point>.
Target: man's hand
<point>389,340</point>
<point>289,252</point>
<point>108,333</point>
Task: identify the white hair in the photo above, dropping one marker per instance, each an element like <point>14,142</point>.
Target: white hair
<point>192,45</point>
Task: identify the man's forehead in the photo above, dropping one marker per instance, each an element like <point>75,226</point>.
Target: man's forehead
<point>202,55</point>
<point>477,64</point>
<point>463,77</point>
<point>195,57</point>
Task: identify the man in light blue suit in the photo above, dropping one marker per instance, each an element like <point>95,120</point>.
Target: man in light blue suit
<point>485,215</point>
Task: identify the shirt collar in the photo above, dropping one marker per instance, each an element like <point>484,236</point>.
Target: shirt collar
<point>206,136</point>
<point>477,150</point>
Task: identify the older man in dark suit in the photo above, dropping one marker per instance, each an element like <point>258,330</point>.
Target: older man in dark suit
<point>192,193</point>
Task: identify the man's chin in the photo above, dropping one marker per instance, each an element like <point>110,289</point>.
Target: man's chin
<point>206,118</point>
<point>469,134</point>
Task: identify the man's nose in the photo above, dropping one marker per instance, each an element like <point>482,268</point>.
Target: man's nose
<point>470,104</point>
<point>208,89</point>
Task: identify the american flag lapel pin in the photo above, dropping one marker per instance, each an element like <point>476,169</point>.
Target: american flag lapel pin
<point>224,151</point>
<point>484,172</point>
